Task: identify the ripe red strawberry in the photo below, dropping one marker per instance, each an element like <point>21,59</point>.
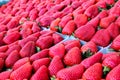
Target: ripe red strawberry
<point>101,38</point>
<point>23,72</point>
<point>9,62</point>
<point>28,49</point>
<point>1,64</point>
<point>57,50</point>
<point>20,62</point>
<point>2,34</point>
<point>3,28</point>
<point>105,22</point>
<point>110,54</point>
<point>3,48</point>
<point>12,37</point>
<point>94,72</point>
<point>41,74</point>
<point>115,43</point>
<point>94,22</point>
<point>76,4</point>
<point>85,32</point>
<point>3,55</point>
<point>25,32</point>
<point>13,23</point>
<point>46,33</point>
<point>110,2</point>
<point>89,45</point>
<point>55,65</point>
<point>71,43</point>
<point>72,73</point>
<point>69,28</point>
<point>80,20</point>
<point>54,24</point>
<point>57,38</point>
<point>25,40</point>
<point>35,28</point>
<point>102,14</point>
<point>58,1</point>
<point>101,4</point>
<point>111,61</point>
<point>78,11</point>
<point>5,75</point>
<point>67,10</point>
<point>40,62</point>
<point>117,21</point>
<point>42,54</point>
<point>87,4</point>
<point>114,73</point>
<point>115,11</point>
<point>64,20</point>
<point>45,42</point>
<point>113,30</point>
<point>92,60</point>
<point>12,48</point>
<point>92,11</point>
<point>58,15</point>
<point>6,20</point>
<point>73,57</point>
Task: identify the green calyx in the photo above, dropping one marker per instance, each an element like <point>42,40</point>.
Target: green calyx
<point>87,53</point>
<point>106,70</point>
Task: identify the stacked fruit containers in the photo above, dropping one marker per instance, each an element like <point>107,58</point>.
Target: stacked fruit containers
<point>60,40</point>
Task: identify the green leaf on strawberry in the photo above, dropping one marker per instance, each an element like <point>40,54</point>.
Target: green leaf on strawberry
<point>37,49</point>
<point>87,53</point>
<point>106,70</point>
<point>53,78</point>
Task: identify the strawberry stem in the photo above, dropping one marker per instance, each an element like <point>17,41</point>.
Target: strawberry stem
<point>53,78</point>
<point>37,49</point>
<point>105,70</point>
<point>87,53</point>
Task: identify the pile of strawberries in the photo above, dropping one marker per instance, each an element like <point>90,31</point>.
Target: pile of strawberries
<point>60,40</point>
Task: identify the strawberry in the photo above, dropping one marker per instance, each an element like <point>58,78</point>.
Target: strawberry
<point>76,4</point>
<point>87,4</point>
<point>25,40</point>
<point>117,21</point>
<point>102,14</point>
<point>54,24</point>
<point>57,38</point>
<point>25,32</point>
<point>3,55</point>
<point>5,75</point>
<point>101,38</point>
<point>101,4</point>
<point>64,20</point>
<point>115,43</point>
<point>57,50</point>
<point>92,60</point>
<point>13,23</point>
<point>55,65</point>
<point>28,49</point>
<point>111,61</point>
<point>105,22</point>
<point>12,48</point>
<point>89,45</point>
<point>20,62</point>
<point>9,62</point>
<point>3,48</point>
<point>78,11</point>
<point>58,15</point>
<point>12,37</point>
<point>67,10</point>
<point>3,28</point>
<point>46,33</point>
<point>72,73</point>
<point>113,30</point>
<point>114,74</point>
<point>72,43</point>
<point>6,20</point>
<point>42,54</point>
<point>44,43</point>
<point>1,64</point>
<point>94,22</point>
<point>2,34</point>
<point>110,2</point>
<point>110,54</point>
<point>40,62</point>
<point>94,72</point>
<point>41,74</point>
<point>35,28</point>
<point>83,32</point>
<point>80,20</point>
<point>24,72</point>
<point>92,11</point>
<point>46,21</point>
<point>69,28</point>
<point>58,1</point>
<point>115,11</point>
<point>73,57</point>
